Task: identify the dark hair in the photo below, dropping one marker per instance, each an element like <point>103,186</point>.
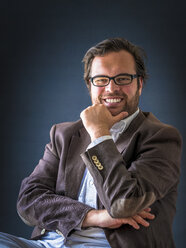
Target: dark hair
<point>115,45</point>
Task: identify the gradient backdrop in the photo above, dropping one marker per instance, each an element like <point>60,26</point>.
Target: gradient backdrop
<point>42,45</point>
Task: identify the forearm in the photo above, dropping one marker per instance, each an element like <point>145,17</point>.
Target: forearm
<point>40,206</point>
<point>101,218</point>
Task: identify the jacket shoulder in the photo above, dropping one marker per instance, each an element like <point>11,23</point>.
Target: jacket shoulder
<point>152,129</point>
<point>61,135</point>
<point>67,128</point>
<point>152,124</point>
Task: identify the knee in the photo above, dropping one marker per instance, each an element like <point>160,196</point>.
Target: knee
<point>6,240</point>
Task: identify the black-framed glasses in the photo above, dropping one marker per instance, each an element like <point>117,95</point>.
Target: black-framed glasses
<point>120,79</point>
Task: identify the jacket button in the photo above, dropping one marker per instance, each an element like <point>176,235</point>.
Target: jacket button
<point>43,231</point>
<point>97,163</point>
<point>60,233</point>
<point>94,158</point>
<point>100,167</point>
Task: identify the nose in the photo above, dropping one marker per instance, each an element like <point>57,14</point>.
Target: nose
<point>111,87</point>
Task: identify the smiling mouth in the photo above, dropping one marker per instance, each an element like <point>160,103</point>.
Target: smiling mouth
<point>112,100</point>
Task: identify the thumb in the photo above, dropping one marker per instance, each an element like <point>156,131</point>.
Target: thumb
<point>120,116</point>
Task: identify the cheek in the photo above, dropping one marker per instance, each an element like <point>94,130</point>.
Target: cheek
<point>127,90</point>
<point>130,90</point>
<point>95,92</point>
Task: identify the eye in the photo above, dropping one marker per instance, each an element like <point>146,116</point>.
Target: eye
<point>100,80</point>
<point>124,79</point>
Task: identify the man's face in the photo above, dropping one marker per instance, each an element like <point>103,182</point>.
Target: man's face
<point>116,98</point>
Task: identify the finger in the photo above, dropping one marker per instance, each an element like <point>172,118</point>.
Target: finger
<point>140,220</point>
<point>81,114</point>
<point>146,215</point>
<point>120,116</point>
<point>131,222</point>
<point>97,100</point>
<point>147,209</point>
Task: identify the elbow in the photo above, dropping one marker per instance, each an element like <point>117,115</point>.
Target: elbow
<point>23,215</point>
<point>123,208</point>
<point>24,220</point>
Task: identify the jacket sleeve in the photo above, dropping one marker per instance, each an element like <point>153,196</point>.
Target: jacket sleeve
<point>38,203</point>
<point>127,186</point>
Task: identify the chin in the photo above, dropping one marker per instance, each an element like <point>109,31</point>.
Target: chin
<point>115,112</point>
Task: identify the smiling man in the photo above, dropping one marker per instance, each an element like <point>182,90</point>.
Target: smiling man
<point>115,85</point>
<point>109,179</point>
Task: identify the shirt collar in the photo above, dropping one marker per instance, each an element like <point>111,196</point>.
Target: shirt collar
<point>122,125</point>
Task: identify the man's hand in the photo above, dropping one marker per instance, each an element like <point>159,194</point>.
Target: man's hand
<point>101,218</point>
<point>98,120</point>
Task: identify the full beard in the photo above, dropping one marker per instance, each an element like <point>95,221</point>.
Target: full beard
<point>131,105</point>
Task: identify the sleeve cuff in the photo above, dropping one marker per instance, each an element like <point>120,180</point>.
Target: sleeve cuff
<point>99,140</point>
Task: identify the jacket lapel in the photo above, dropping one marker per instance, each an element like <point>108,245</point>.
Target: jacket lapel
<point>125,137</point>
<point>75,166</point>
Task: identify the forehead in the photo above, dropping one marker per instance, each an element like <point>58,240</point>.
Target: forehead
<point>113,63</point>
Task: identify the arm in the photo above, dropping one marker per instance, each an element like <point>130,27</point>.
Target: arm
<point>39,204</point>
<point>101,218</point>
<point>128,183</point>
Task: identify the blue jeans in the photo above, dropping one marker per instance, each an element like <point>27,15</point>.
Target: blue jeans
<point>10,241</point>
<point>51,240</point>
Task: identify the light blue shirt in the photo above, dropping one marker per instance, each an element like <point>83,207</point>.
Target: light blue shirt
<point>90,237</point>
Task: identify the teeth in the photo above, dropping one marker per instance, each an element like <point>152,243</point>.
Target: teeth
<point>113,100</point>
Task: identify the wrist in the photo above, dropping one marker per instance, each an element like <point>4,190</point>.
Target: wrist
<point>91,219</point>
<point>99,133</point>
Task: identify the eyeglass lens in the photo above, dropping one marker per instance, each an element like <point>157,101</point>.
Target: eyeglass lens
<point>121,80</point>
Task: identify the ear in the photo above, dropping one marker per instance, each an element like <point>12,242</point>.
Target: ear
<point>140,85</point>
<point>88,84</point>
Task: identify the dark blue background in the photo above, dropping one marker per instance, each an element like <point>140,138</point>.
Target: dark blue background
<point>42,45</point>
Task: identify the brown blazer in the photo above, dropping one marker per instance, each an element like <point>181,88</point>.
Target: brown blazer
<point>141,170</point>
